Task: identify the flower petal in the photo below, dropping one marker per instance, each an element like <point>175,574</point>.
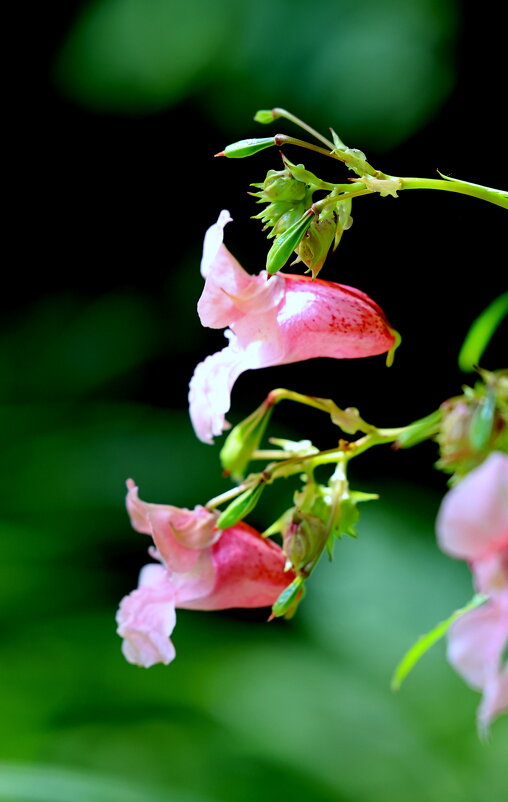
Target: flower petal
<point>473,519</point>
<point>178,534</point>
<point>476,645</point>
<point>273,321</point>
<point>476,642</point>
<point>249,572</point>
<point>210,391</point>
<point>146,619</point>
<point>324,319</point>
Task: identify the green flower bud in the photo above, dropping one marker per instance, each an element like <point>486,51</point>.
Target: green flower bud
<point>286,243</point>
<point>280,216</point>
<point>303,540</point>
<point>288,219</point>
<point>474,424</point>
<point>288,600</point>
<point>243,440</point>
<point>246,147</point>
<point>279,185</point>
<point>265,116</point>
<point>240,507</point>
<point>317,241</point>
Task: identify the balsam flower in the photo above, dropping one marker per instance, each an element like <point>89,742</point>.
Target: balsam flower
<point>473,526</point>
<point>227,568</point>
<point>272,321</point>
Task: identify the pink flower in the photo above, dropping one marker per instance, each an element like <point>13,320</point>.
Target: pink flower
<point>473,525</point>
<point>234,567</point>
<point>272,321</point>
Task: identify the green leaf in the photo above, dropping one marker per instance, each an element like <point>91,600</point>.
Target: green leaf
<point>39,783</point>
<point>425,642</point>
<point>481,332</point>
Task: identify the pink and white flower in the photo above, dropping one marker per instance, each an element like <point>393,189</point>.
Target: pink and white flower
<point>272,321</point>
<point>227,568</point>
<point>473,525</point>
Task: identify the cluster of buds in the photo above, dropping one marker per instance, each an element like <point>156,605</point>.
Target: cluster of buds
<point>474,424</point>
<point>297,225</point>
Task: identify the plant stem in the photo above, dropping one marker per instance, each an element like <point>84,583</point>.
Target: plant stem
<point>296,120</point>
<point>497,196</point>
<point>227,496</point>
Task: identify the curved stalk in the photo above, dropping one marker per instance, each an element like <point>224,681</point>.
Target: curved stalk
<point>497,196</point>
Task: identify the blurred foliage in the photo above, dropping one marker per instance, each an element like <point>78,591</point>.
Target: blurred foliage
<point>377,69</point>
<point>92,381</point>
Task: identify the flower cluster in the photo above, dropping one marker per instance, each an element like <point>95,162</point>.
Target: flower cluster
<point>199,567</point>
<point>473,526</point>
<point>206,560</point>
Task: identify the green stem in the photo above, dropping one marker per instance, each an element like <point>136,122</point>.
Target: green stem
<point>296,120</point>
<point>281,139</point>
<point>344,196</point>
<point>497,196</point>
<point>216,501</point>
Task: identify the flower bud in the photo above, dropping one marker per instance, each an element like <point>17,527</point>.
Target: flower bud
<point>240,507</point>
<point>317,240</point>
<point>473,425</point>
<point>243,440</point>
<point>280,185</point>
<point>265,116</point>
<point>286,243</point>
<point>288,600</point>
<point>303,540</point>
<point>246,147</point>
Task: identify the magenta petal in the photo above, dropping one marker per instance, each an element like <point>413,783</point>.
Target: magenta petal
<point>325,319</point>
<point>249,571</point>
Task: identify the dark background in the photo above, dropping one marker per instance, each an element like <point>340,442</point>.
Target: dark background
<point>114,186</point>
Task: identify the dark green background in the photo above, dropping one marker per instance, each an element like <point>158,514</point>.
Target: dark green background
<point>117,110</point>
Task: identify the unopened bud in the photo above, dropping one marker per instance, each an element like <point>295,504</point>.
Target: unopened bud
<point>289,598</point>
<point>473,425</point>
<point>246,147</point>
<point>243,440</point>
<point>286,243</point>
<point>240,507</point>
<point>265,116</point>
<point>303,539</point>
<point>279,185</point>
<point>317,241</point>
